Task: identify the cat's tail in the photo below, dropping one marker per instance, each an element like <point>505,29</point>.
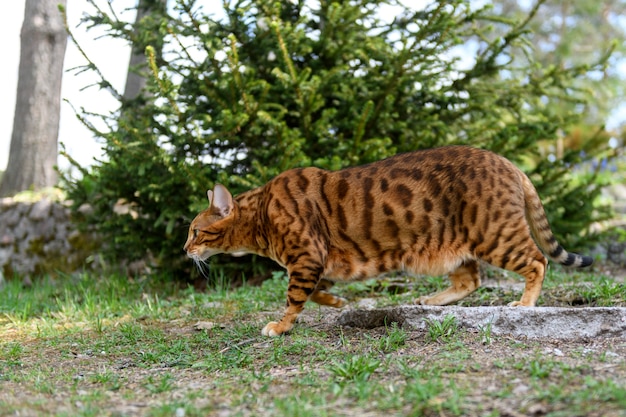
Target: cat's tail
<point>540,229</point>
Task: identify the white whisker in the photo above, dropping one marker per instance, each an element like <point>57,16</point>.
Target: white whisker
<point>203,266</point>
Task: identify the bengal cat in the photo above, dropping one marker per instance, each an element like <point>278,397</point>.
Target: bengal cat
<point>427,212</point>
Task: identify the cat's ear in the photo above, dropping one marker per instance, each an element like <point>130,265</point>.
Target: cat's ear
<point>209,195</point>
<point>222,202</point>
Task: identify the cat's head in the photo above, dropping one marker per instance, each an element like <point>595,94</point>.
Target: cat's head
<point>209,230</point>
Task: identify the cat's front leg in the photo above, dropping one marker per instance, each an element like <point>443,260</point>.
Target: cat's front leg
<point>303,279</point>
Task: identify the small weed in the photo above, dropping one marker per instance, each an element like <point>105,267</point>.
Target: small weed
<point>298,406</point>
<point>605,293</point>
<point>158,385</point>
<point>393,340</point>
<point>603,391</point>
<point>431,396</point>
<point>442,331</point>
<point>177,409</point>
<point>235,359</point>
<point>454,355</point>
<point>12,352</point>
<point>414,371</point>
<point>485,332</point>
<point>98,325</point>
<point>358,367</point>
<point>541,369</point>
<point>360,390</point>
<point>170,353</point>
<point>107,378</point>
<point>132,332</point>
<point>43,383</point>
<point>283,351</point>
<point>344,341</point>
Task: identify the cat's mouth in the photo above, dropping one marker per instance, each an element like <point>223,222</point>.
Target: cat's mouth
<point>201,257</point>
<point>207,253</point>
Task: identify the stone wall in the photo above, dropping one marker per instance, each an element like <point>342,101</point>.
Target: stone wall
<point>38,237</point>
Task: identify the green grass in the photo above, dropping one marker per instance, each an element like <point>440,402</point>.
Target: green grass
<point>80,345</point>
<point>355,368</point>
<point>444,330</point>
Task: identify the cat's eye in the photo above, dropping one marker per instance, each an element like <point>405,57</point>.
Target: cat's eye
<point>195,233</point>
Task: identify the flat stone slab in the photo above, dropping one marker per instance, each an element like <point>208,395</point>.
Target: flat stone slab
<point>536,322</point>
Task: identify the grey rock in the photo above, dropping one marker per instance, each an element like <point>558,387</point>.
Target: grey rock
<point>536,322</point>
<point>5,256</point>
<point>60,231</point>
<point>10,218</point>
<point>45,228</point>
<point>73,237</point>
<point>7,239</point>
<point>55,247</point>
<point>7,203</point>
<point>22,229</point>
<point>40,210</point>
<point>366,303</point>
<point>85,209</point>
<point>60,213</point>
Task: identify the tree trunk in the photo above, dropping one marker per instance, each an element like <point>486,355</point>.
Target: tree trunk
<point>137,68</point>
<point>33,153</point>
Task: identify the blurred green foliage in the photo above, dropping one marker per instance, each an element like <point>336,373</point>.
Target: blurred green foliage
<point>240,96</point>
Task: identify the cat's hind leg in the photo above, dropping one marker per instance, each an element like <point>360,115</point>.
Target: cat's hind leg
<point>533,269</point>
<point>321,295</point>
<point>522,256</point>
<point>465,280</point>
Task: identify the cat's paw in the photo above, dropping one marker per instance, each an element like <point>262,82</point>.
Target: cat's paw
<point>270,329</point>
<point>518,304</point>
<point>324,298</point>
<point>274,329</point>
<point>339,302</point>
<point>423,300</point>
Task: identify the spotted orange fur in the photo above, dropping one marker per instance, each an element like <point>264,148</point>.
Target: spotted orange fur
<point>428,212</point>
